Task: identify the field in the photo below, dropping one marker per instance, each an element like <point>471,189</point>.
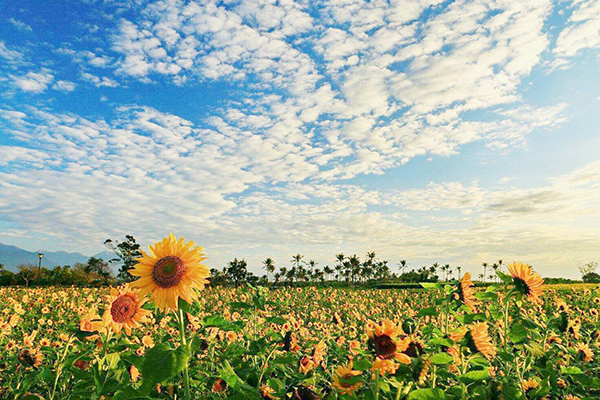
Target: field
<point>306,343</point>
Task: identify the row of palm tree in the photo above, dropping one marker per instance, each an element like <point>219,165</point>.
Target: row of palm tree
<point>349,269</point>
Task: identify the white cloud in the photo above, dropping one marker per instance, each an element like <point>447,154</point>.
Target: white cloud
<point>581,32</point>
<point>65,86</point>
<point>35,82</point>
<point>99,81</point>
<point>20,25</point>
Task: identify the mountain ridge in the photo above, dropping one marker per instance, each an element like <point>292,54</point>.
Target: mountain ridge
<point>12,256</point>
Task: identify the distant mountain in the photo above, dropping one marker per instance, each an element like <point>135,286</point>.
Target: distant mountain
<point>12,256</point>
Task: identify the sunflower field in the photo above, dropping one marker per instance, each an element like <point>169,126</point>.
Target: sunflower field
<point>167,335</point>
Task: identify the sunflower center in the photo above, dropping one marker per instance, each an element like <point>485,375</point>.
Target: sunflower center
<point>168,271</point>
<point>384,346</point>
<point>123,309</point>
<point>415,349</point>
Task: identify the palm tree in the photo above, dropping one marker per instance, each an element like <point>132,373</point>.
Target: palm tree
<point>485,265</point>
<point>311,267</point>
<point>340,266</point>
<point>402,265</point>
<point>269,266</point>
<point>328,271</point>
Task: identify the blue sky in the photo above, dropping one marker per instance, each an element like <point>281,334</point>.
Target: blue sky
<point>433,131</point>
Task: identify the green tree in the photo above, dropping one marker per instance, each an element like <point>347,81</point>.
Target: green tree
<point>269,266</point>
<point>126,253</point>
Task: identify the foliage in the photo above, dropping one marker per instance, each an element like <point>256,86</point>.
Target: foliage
<point>243,342</point>
<point>126,253</point>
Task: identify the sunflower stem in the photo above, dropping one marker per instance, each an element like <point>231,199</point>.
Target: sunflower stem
<point>377,385</point>
<point>186,373</point>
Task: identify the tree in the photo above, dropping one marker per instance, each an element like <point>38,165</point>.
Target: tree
<point>100,268</point>
<point>237,270</point>
<point>485,265</point>
<point>588,272</point>
<point>269,266</point>
<point>27,273</point>
<point>126,252</point>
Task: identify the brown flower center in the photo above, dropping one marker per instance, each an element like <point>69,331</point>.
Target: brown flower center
<point>123,309</point>
<point>168,271</point>
<point>415,349</point>
<point>384,346</point>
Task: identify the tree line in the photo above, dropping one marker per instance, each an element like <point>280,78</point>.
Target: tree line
<point>346,270</point>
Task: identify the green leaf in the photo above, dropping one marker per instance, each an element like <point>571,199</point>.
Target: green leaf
<point>428,285</point>
<point>428,311</point>
<point>505,278</point>
<point>475,376</point>
<point>427,394</point>
<point>235,382</point>
<point>518,333</point>
<point>442,342</point>
<point>162,363</point>
<point>218,321</point>
<point>441,359</point>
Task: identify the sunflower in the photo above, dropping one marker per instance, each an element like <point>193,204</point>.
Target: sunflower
<point>525,281</point>
<point>530,384</point>
<point>421,370</point>
<point>466,293</point>
<point>124,310</point>
<point>30,357</point>
<point>480,341</point>
<point>346,379</point>
<point>383,367</point>
<point>171,269</point>
<point>584,352</point>
<point>382,341</point>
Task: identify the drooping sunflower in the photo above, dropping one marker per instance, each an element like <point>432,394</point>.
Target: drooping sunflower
<point>30,357</point>
<point>171,269</point>
<point>124,310</point>
<point>480,341</point>
<point>346,379</point>
<point>526,281</point>
<point>466,293</point>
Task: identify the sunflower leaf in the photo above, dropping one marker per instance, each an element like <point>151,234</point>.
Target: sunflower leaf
<point>162,363</point>
<point>427,394</point>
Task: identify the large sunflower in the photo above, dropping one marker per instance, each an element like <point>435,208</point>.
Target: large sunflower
<point>171,269</point>
<point>480,341</point>
<point>466,293</point>
<point>124,310</point>
<point>526,282</point>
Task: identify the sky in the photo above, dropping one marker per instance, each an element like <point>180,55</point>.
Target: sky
<point>432,131</point>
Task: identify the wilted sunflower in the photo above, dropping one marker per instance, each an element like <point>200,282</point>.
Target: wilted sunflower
<point>124,310</point>
<point>525,281</point>
<point>466,293</point>
<point>480,341</point>
<point>171,269</point>
<point>30,357</point>
<point>346,379</point>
